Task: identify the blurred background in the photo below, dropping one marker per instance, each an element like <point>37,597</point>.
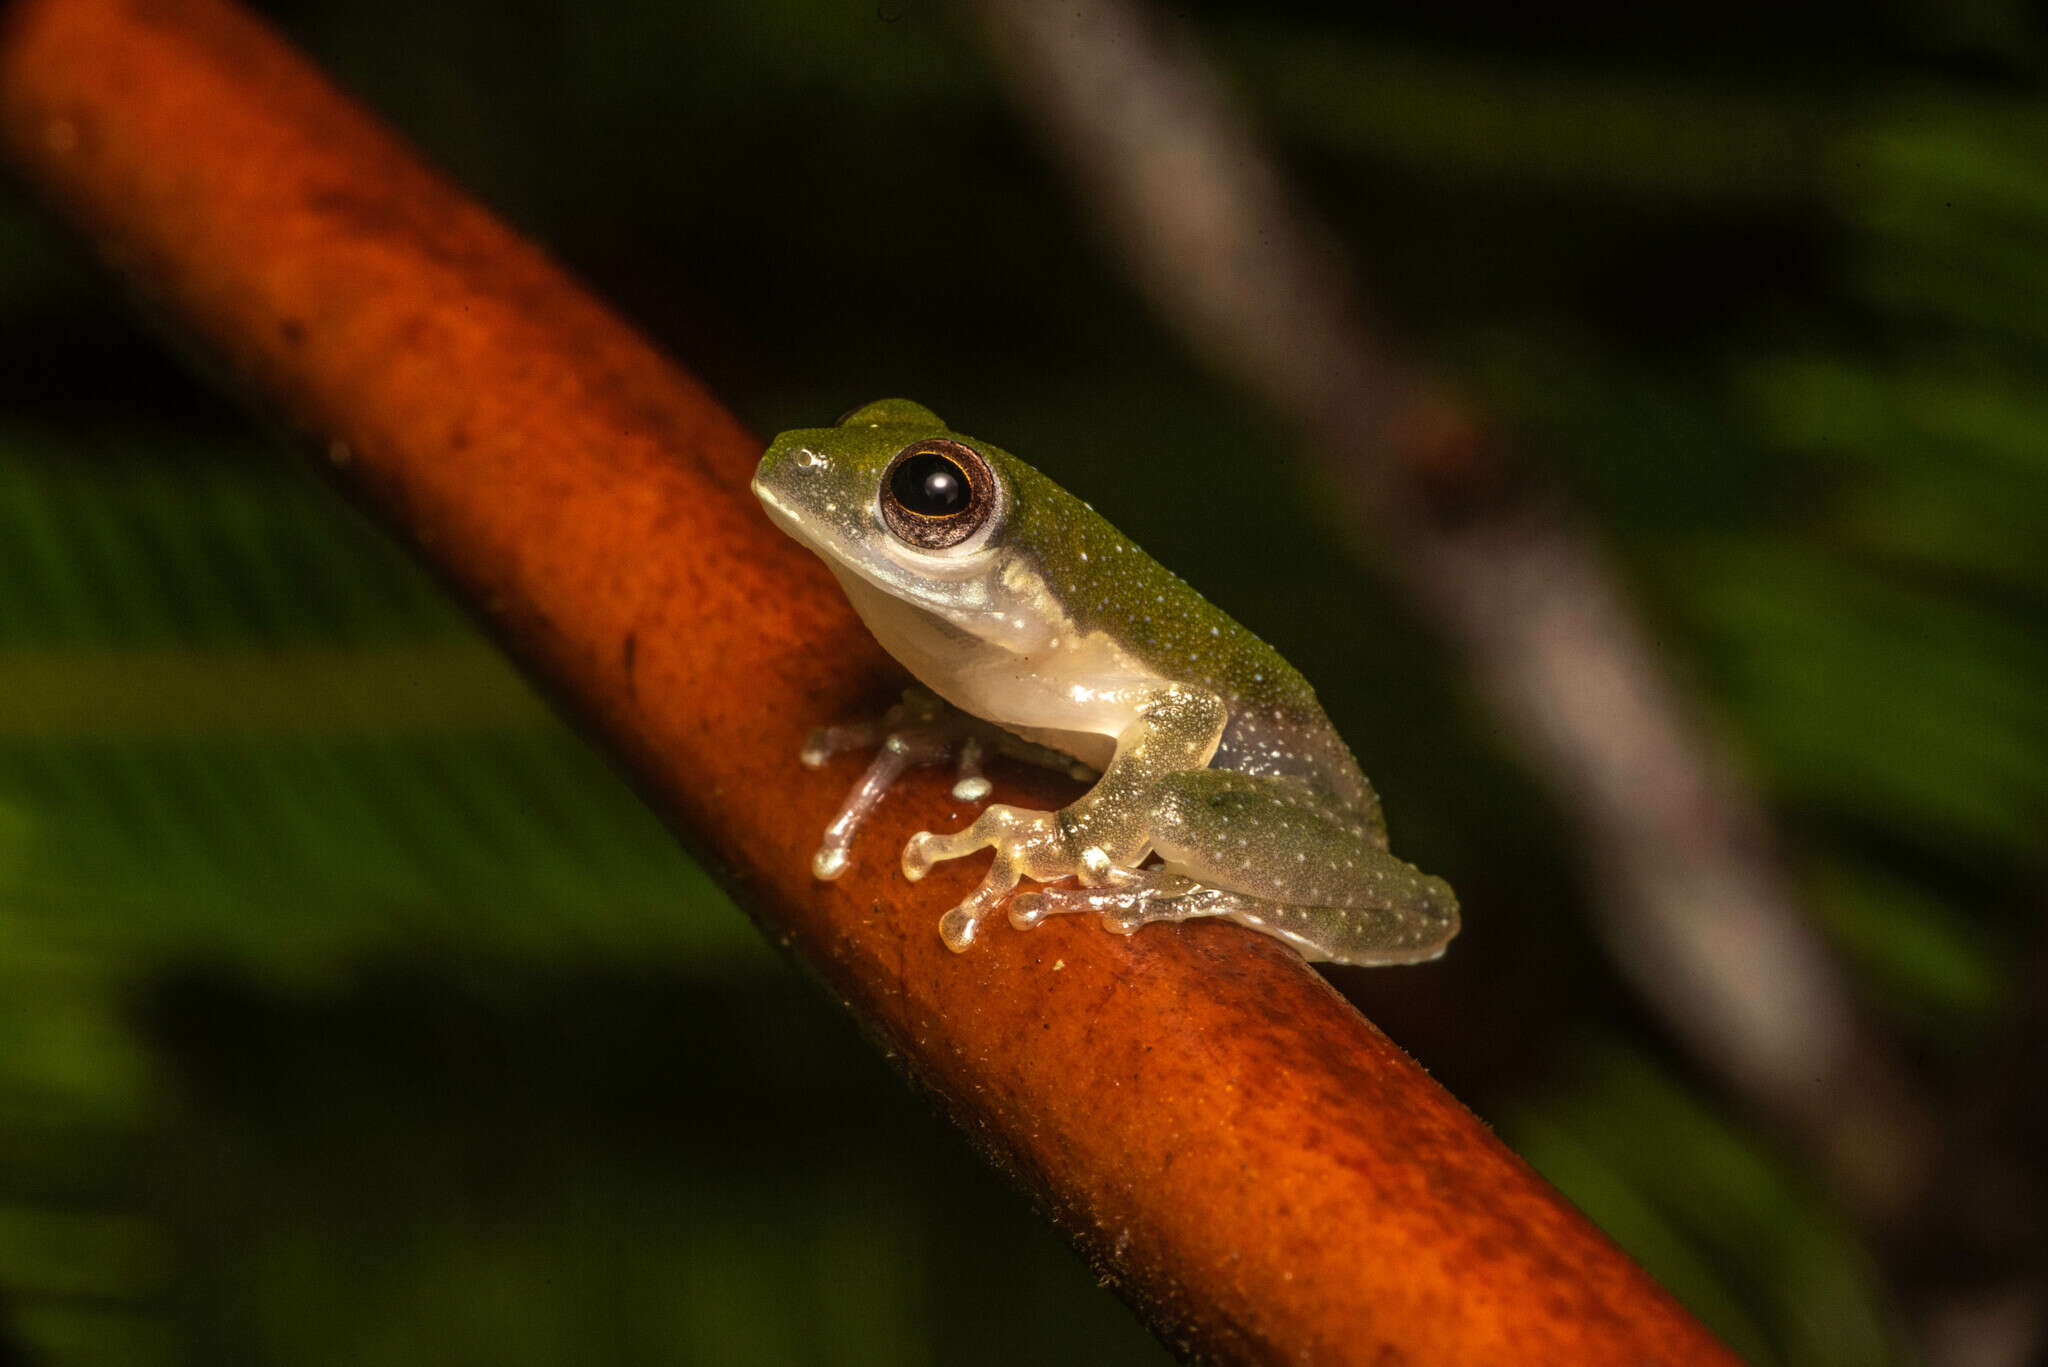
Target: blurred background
<point>352,1011</point>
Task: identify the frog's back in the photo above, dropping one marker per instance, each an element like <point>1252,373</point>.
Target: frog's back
<point>1277,728</point>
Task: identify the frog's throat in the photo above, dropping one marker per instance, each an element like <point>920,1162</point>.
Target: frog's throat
<point>1071,693</point>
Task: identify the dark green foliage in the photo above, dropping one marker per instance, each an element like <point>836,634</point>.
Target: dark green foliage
<point>351,1011</point>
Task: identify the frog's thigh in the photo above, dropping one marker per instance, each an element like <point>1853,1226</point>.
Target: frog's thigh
<point>1323,881</point>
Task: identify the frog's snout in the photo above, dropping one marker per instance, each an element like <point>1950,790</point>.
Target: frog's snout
<point>784,493</point>
<point>772,471</point>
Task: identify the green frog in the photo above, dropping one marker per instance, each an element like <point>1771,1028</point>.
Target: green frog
<point>1040,631</point>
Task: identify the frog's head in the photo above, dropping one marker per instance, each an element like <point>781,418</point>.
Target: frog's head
<point>895,499</point>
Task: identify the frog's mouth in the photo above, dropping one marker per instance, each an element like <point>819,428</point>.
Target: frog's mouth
<point>780,513</point>
<point>816,536</point>
<point>813,533</point>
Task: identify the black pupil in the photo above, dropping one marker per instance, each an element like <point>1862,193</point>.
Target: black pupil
<point>930,485</point>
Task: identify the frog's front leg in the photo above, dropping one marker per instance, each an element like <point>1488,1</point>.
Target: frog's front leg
<point>1028,844</point>
<point>922,729</point>
<point>1177,727</point>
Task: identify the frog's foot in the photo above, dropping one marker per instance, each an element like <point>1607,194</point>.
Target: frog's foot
<point>1138,899</point>
<point>1125,901</point>
<point>1028,844</point>
<point>919,730</point>
<point>922,729</point>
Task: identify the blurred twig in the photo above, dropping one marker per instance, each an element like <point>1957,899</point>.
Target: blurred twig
<point>1696,905</point>
<point>1254,1166</point>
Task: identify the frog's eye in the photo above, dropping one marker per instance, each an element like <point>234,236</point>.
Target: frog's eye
<point>937,493</point>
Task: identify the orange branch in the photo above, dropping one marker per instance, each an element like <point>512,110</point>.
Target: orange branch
<point>1262,1173</point>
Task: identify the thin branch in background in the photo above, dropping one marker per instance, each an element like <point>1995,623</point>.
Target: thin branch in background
<point>1695,905</point>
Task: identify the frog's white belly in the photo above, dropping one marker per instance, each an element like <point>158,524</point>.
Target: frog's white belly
<point>1075,693</point>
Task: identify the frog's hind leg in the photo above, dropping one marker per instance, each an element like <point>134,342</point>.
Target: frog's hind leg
<point>1274,856</point>
<point>1313,872</point>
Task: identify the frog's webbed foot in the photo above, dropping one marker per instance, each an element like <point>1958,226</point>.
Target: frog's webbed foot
<point>1028,844</point>
<point>920,730</point>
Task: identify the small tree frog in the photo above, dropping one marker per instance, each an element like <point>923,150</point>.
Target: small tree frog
<point>1061,641</point>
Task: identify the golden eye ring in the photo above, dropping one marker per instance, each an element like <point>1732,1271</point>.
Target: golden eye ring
<point>936,493</point>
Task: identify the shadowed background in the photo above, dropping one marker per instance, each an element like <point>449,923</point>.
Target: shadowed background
<point>350,1011</point>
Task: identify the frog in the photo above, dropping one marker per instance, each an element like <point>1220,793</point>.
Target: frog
<point>1035,629</point>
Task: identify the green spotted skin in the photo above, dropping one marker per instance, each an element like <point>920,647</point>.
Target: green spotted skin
<point>1224,789</point>
<point>1276,726</point>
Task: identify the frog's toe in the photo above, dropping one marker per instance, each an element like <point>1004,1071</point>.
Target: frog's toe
<point>1027,843</point>
<point>968,783</point>
<point>918,855</point>
<point>1030,909</point>
<point>1125,917</point>
<point>923,851</point>
<point>1124,900</point>
<point>958,928</point>
<point>1034,908</point>
<point>1025,840</point>
<point>1027,909</point>
<point>826,741</point>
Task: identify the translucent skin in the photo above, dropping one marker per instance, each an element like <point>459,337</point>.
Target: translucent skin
<point>1048,623</point>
